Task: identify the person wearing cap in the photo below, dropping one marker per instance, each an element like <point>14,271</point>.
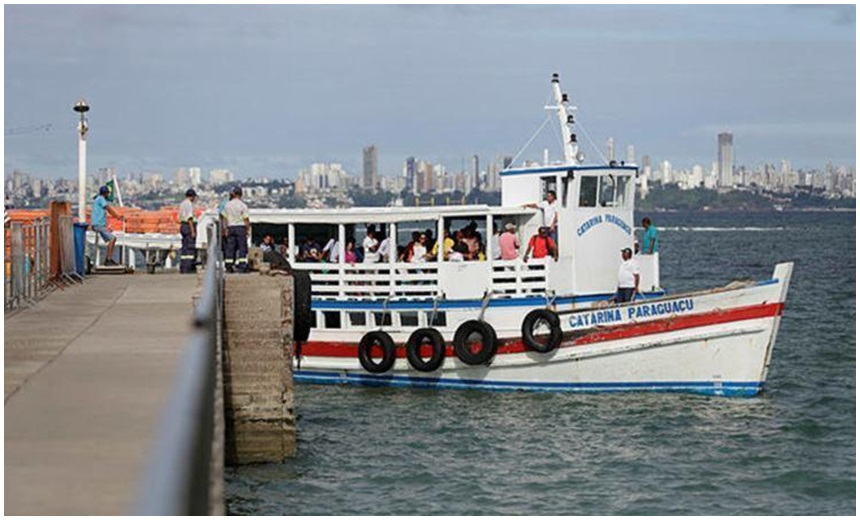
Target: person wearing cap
<point>238,230</point>
<point>98,221</point>
<point>541,245</point>
<point>628,277</point>
<point>188,230</point>
<point>550,213</point>
<point>509,243</point>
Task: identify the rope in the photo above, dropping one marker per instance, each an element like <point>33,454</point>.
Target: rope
<point>584,131</point>
<point>534,136</point>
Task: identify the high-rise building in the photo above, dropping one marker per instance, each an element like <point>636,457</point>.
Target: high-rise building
<point>370,167</point>
<point>724,159</point>
<point>476,172</point>
<point>196,175</point>
<point>610,149</point>
<point>409,173</point>
<point>631,154</point>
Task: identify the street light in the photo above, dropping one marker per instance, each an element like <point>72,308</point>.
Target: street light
<point>82,108</point>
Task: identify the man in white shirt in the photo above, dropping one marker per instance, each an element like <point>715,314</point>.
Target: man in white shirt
<point>188,230</point>
<point>628,277</point>
<point>550,213</point>
<point>238,230</point>
<point>384,250</point>
<point>370,245</point>
<point>331,251</point>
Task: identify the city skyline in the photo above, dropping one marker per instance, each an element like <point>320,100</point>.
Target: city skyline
<point>258,91</point>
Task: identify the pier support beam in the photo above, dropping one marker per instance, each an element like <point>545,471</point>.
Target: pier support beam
<point>258,376</point>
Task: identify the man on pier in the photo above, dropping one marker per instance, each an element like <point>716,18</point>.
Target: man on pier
<point>188,230</point>
<point>98,221</point>
<point>238,230</point>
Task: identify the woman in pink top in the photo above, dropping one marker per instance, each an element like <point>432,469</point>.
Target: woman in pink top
<point>349,254</point>
<point>509,243</point>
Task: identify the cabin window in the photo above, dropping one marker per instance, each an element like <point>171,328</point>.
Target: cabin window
<point>549,184</point>
<point>408,319</point>
<point>382,319</point>
<point>314,320</point>
<point>331,319</point>
<point>607,190</point>
<point>588,192</point>
<point>440,320</point>
<point>621,190</point>
<point>357,319</point>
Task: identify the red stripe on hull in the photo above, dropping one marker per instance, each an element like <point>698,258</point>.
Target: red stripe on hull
<point>609,333</point>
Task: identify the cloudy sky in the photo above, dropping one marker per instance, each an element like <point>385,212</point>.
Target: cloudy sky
<point>266,90</point>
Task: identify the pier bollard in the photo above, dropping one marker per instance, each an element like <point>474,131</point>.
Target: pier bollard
<point>257,369</point>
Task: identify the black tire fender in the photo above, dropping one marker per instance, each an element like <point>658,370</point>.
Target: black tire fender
<point>302,306</point>
<point>380,339</point>
<point>531,320</point>
<point>488,342</point>
<point>413,349</point>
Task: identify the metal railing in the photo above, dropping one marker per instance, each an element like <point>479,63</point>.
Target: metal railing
<point>177,481</point>
<point>27,264</point>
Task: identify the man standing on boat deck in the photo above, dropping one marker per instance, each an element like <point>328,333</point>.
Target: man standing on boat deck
<point>628,277</point>
<point>541,245</point>
<point>370,245</point>
<point>550,215</point>
<point>188,230</point>
<point>649,238</point>
<point>238,231</point>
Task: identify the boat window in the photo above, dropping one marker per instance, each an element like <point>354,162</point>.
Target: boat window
<point>621,190</point>
<point>314,320</point>
<point>408,319</point>
<point>357,319</point>
<point>607,190</point>
<point>331,319</point>
<point>587,192</point>
<point>440,319</point>
<point>548,184</point>
<point>565,188</point>
<point>382,319</point>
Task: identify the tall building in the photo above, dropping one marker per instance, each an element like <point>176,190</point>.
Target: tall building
<point>409,173</point>
<point>610,149</point>
<point>631,154</point>
<point>370,167</point>
<point>476,172</point>
<point>196,175</point>
<point>724,159</point>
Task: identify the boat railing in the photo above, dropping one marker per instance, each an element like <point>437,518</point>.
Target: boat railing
<point>418,280</point>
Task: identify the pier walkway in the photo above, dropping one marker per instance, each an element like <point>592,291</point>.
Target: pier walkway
<point>88,371</point>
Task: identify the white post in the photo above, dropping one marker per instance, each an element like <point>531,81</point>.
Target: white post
<point>561,110</point>
<point>291,243</point>
<point>489,245</point>
<point>392,255</point>
<point>341,258</point>
<point>82,173</point>
<point>440,239</point>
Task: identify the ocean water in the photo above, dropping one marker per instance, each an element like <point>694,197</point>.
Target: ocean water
<point>792,450</point>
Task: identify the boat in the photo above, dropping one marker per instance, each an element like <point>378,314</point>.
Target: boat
<point>539,324</point>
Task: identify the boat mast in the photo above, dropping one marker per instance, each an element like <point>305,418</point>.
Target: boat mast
<point>572,155</point>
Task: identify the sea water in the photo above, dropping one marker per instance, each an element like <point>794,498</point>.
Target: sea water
<point>372,451</point>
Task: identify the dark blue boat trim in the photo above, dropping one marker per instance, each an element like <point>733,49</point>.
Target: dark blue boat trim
<point>529,301</point>
<point>725,388</point>
<point>554,169</point>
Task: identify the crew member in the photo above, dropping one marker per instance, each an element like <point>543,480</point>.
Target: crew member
<point>188,230</point>
<point>550,213</point>
<point>238,231</point>
<point>628,278</point>
<point>649,240</point>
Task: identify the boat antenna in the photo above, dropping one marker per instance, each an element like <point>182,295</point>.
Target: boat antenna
<point>566,120</point>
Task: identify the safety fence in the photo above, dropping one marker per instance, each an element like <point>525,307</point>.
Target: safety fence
<point>27,262</point>
<point>184,465</point>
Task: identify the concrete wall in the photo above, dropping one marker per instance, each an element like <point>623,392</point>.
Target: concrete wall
<point>257,368</point>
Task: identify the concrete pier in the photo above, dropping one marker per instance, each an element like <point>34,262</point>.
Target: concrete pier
<point>88,371</point>
<point>258,381</point>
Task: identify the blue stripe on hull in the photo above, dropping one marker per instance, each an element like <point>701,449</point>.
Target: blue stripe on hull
<point>727,389</point>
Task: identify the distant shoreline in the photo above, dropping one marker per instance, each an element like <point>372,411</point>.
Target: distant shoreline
<point>749,210</point>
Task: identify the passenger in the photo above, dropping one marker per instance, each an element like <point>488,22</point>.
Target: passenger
<point>458,252</point>
<point>509,243</point>
<point>542,245</point>
<point>550,213</point>
<point>431,240</point>
<point>473,244</point>
<point>331,251</point>
<point>284,247</point>
<point>401,253</point>
<point>419,250</point>
<point>370,246</point>
<point>649,238</point>
<point>349,255</point>
<point>384,249</point>
<point>309,250</point>
<point>495,242</point>
<point>98,221</point>
<point>407,256</point>
<point>238,231</point>
<point>628,278</point>
<point>268,243</point>
<point>636,247</point>
<point>447,246</point>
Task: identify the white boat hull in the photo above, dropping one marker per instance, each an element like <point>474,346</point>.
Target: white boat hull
<point>716,342</point>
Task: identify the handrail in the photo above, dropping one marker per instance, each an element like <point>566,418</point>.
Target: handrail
<point>26,266</point>
<point>177,478</point>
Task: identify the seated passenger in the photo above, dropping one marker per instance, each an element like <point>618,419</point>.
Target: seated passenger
<point>349,255</point>
<point>509,243</point>
<point>542,245</point>
<point>309,250</point>
<point>268,243</point>
<point>419,250</point>
<point>448,244</point>
<point>331,251</point>
<point>458,252</point>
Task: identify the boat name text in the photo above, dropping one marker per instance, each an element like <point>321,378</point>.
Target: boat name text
<point>599,219</point>
<point>646,310</point>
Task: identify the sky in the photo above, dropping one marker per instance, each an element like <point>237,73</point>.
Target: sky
<point>268,90</point>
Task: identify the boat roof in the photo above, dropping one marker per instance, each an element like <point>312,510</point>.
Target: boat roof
<point>565,168</point>
<point>379,214</point>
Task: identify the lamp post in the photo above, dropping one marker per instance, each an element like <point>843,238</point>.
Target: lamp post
<point>82,108</point>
